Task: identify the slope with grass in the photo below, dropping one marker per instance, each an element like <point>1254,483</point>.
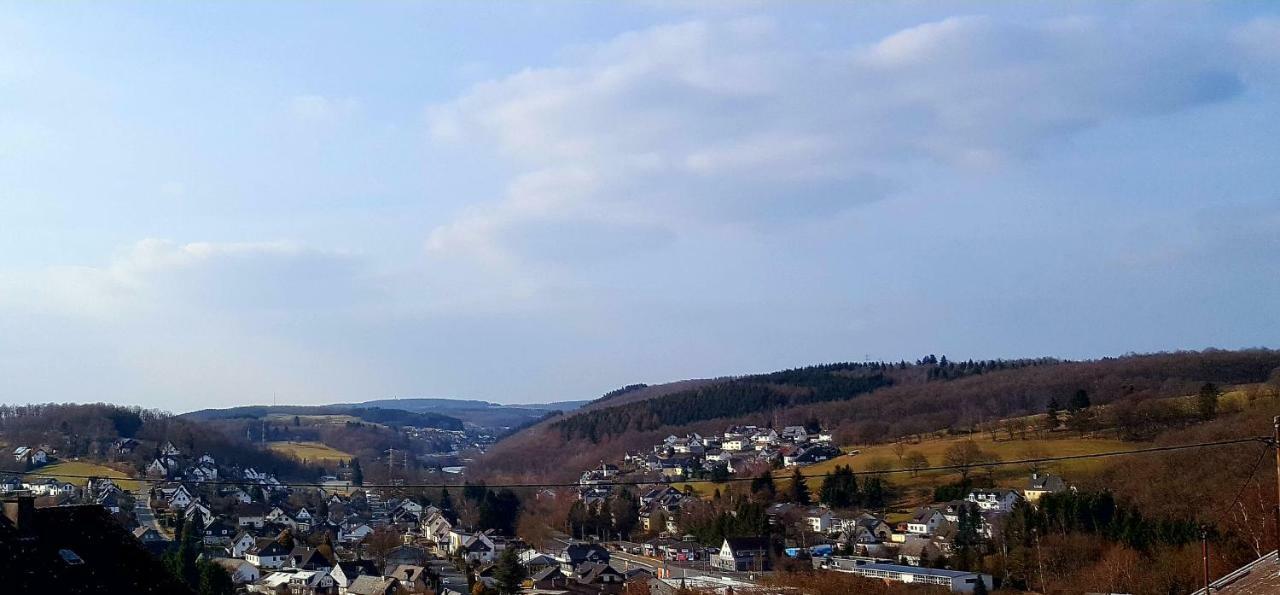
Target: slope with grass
<point>310,452</point>
<point>76,472</point>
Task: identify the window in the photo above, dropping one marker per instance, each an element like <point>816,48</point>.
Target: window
<point>70,557</point>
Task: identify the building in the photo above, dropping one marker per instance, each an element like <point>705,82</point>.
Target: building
<point>956,580</point>
<point>1255,578</point>
<point>742,554</point>
<point>1039,485</point>
<point>75,550</point>
<point>926,521</point>
<point>994,500</point>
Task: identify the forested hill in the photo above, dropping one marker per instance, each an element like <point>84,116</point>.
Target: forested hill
<point>393,417</point>
<point>861,402</point>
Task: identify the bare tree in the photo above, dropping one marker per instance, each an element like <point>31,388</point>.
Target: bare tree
<point>915,461</point>
<point>899,449</point>
<point>963,456</point>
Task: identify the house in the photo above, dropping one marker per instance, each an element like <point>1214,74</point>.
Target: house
<point>577,553</point>
<point>475,547</point>
<point>917,551</point>
<point>742,554</point>
<point>1041,484</point>
<point>200,508</point>
<point>125,446</point>
<point>355,534</point>
<point>219,532</point>
<point>33,456</point>
<point>412,578</point>
<point>870,529</point>
<point>75,549</point>
<point>148,535</point>
<point>599,575</point>
<point>925,521</point>
<point>10,483</point>
<point>994,500</point>
<point>158,468</point>
<point>180,498</point>
<point>169,450</point>
<point>373,585</point>
<point>240,496</point>
<point>241,543</point>
<point>818,519</point>
<point>241,571</point>
<point>206,459</point>
<point>267,553</point>
<point>344,573</point>
<point>251,515</point>
<point>310,582</point>
<point>1259,576</point>
<point>408,555</point>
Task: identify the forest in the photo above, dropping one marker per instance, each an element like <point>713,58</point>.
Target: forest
<point>876,402</point>
<point>88,431</point>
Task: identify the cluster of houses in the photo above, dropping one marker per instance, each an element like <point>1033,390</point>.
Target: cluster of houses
<point>32,457</point>
<point>738,448</point>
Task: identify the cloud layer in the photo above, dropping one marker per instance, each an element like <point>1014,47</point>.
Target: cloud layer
<point>706,123</point>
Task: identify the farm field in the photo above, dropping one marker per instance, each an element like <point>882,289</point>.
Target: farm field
<point>66,470</point>
<point>1011,476</point>
<point>310,451</point>
<point>311,420</point>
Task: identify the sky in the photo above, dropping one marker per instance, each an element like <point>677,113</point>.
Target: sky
<point>217,204</point>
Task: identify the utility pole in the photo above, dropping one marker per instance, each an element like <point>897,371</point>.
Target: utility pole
<point>1275,443</point>
<point>1204,553</point>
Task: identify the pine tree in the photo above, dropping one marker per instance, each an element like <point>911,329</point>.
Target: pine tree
<point>214,580</point>
<point>1207,401</point>
<point>357,474</point>
<point>799,490</point>
<point>1079,401</point>
<point>509,573</point>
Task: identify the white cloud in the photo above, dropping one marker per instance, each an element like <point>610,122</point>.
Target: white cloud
<point>706,123</point>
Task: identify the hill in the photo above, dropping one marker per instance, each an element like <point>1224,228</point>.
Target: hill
<point>378,415</point>
<point>865,403</point>
<point>497,418</point>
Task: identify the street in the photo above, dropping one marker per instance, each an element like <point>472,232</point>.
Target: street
<point>146,516</point>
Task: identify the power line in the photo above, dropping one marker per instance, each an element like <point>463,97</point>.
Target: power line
<point>1114,453</point>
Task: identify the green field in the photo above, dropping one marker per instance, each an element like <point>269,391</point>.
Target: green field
<point>311,452</point>
<point>69,470</point>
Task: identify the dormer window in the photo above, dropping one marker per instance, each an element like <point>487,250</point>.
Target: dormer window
<point>70,558</point>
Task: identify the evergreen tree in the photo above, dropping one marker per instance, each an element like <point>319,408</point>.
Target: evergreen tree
<point>214,580</point>
<point>1079,401</point>
<point>1051,422</point>
<point>1207,401</point>
<point>357,474</point>
<point>799,490</point>
<point>763,487</point>
<point>509,573</point>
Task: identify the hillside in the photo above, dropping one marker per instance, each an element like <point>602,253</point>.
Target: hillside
<point>865,402</point>
<point>378,415</point>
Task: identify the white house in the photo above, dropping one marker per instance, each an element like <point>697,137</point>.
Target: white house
<point>169,450</point>
<point>180,498</point>
<point>818,519</point>
<point>267,553</point>
<point>241,571</point>
<point>994,500</point>
<point>925,521</point>
<point>241,543</point>
<point>355,533</point>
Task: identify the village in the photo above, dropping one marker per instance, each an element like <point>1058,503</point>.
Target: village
<point>335,537</point>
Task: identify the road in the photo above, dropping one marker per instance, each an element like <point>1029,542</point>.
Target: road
<point>146,516</point>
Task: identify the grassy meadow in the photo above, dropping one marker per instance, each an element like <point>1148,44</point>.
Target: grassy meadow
<point>311,452</point>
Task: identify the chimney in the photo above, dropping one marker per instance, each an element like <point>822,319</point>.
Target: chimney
<point>20,510</point>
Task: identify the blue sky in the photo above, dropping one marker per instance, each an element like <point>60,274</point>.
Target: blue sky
<point>228,203</point>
